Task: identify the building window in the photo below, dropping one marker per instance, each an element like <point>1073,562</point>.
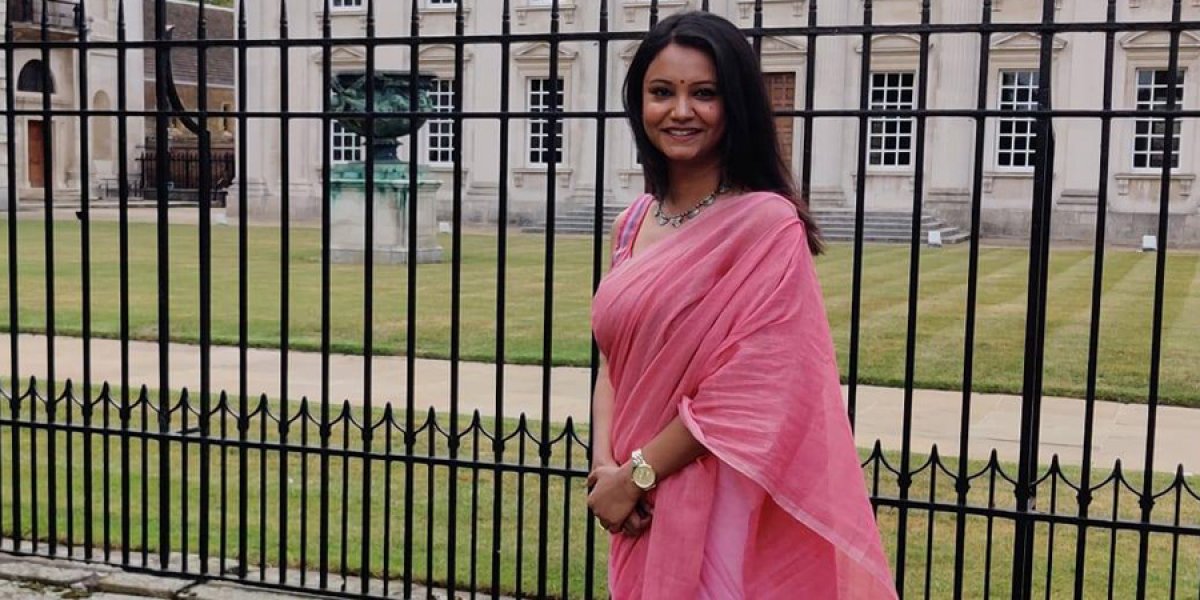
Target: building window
<point>1016,143</point>
<point>345,145</point>
<point>441,131</point>
<point>34,77</point>
<point>891,138</point>
<point>545,141</point>
<point>1149,134</point>
<point>336,4</point>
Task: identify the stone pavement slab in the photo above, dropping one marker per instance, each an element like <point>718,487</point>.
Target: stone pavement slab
<point>1119,430</point>
<point>47,573</point>
<point>142,585</point>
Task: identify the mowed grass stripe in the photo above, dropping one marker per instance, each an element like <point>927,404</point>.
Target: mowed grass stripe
<point>1180,375</point>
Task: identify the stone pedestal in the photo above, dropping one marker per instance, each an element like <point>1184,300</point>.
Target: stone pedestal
<point>391,194</point>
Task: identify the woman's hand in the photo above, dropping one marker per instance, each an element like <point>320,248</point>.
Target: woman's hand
<point>614,497</point>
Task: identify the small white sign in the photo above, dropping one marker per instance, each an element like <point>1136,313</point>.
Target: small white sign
<point>444,227</point>
<point>1149,243</point>
<point>935,239</point>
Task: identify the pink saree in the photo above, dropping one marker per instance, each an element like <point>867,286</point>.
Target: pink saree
<point>723,325</point>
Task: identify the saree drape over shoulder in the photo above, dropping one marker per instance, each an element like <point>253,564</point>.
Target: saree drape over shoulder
<point>723,325</point>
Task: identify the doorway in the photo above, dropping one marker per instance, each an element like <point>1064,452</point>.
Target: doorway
<point>37,151</point>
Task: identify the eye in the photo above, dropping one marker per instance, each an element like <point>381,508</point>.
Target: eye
<point>707,93</point>
<point>659,91</point>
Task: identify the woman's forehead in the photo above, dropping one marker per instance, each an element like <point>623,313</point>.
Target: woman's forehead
<point>681,64</point>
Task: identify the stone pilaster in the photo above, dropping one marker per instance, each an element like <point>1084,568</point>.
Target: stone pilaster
<point>830,177</point>
<point>951,142</point>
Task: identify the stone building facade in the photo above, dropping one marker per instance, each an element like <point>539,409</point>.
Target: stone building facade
<point>62,75</point>
<point>1139,77</point>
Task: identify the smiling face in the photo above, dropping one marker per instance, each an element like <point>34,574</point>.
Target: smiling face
<point>682,109</point>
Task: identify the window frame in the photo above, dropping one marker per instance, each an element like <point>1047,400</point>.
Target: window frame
<point>532,123</point>
<point>433,134</point>
<point>338,143</point>
<point>882,152</point>
<point>1152,104</point>
<point>1016,105</point>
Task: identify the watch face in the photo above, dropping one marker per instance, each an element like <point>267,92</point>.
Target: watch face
<point>643,476</point>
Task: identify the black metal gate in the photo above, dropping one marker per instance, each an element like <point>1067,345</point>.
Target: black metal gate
<point>316,494</point>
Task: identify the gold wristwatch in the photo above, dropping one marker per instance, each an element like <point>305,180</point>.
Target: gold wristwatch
<point>643,474</point>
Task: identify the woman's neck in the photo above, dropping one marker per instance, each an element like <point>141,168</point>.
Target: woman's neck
<point>690,184</point>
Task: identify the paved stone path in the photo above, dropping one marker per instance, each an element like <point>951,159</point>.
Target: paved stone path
<point>37,577</point>
<point>1119,431</point>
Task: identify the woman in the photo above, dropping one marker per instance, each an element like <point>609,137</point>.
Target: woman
<point>723,464</point>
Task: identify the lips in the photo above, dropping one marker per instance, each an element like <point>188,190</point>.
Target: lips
<point>681,132</point>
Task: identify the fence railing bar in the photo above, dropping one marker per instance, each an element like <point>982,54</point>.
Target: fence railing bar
<point>123,309</point>
<point>431,495</point>
<point>85,285</point>
<point>1022,566</point>
<point>557,147</point>
<point>344,525</point>
<point>1089,419</point>
<point>810,90</point>
<point>929,532</point>
<point>456,290</point>
<point>204,209</point>
<point>243,243</point>
<point>285,271</point>
<point>860,199</point>
<point>326,281</point>
<point>962,483</point>
<point>163,264</point>
<point>501,293</point>
<point>51,382</point>
<point>387,499</point>
<point>410,339</point>
<point>1062,113</point>
<point>1147,500</point>
<point>1049,574</point>
<point>305,452</point>
<point>368,306</point>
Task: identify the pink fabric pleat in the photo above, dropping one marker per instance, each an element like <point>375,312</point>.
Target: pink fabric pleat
<point>722,324</point>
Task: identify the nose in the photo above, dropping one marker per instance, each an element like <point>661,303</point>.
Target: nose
<point>682,107</point>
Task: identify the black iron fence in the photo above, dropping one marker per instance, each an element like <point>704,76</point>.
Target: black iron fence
<point>184,167</point>
<point>317,493</point>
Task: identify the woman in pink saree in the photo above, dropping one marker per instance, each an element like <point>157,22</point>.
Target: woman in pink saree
<point>723,461</point>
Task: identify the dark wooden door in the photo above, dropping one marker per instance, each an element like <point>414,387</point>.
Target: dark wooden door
<point>782,88</point>
<point>37,148</point>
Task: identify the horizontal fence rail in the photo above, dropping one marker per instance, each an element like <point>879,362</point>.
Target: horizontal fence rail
<point>397,492</point>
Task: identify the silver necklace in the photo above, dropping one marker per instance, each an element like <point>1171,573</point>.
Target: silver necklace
<point>675,221</point>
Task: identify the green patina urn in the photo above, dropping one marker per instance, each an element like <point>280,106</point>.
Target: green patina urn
<point>393,91</point>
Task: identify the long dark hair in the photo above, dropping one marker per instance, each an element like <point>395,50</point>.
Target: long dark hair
<point>750,148</point>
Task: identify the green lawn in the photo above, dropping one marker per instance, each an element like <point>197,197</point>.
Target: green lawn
<point>931,545</point>
<point>1124,355</point>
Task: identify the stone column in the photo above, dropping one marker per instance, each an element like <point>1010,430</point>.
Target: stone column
<point>953,83</point>
<point>830,173</point>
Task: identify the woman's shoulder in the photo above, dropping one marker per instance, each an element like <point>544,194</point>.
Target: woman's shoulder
<point>766,208</point>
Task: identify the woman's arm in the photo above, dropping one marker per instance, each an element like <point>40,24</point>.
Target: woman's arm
<point>602,399</point>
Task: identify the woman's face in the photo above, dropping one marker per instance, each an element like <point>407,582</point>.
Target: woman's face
<point>682,109</point>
